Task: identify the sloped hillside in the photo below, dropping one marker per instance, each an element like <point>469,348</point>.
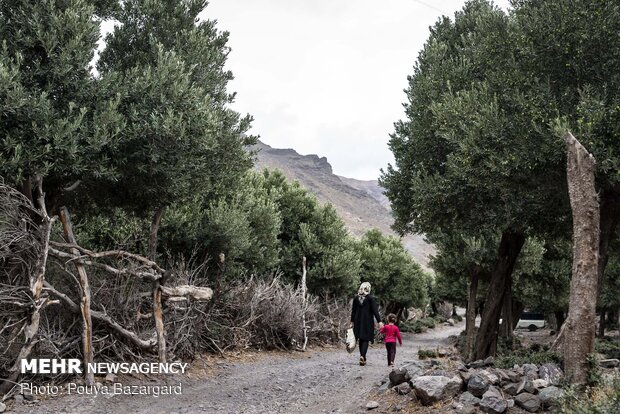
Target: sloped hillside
<point>361,204</point>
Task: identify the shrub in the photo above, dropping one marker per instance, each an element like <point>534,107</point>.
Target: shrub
<point>427,353</point>
<point>527,356</point>
<point>603,399</point>
<point>608,347</point>
<point>413,326</point>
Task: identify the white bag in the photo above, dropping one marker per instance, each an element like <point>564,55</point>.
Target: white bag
<point>350,340</point>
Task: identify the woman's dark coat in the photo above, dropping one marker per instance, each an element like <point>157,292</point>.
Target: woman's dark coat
<point>362,318</point>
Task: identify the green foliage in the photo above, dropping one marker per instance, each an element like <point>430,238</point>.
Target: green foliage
<point>316,232</point>
<point>608,347</point>
<point>50,120</point>
<point>526,356</point>
<point>419,325</point>
<point>603,399</point>
<point>427,353</point>
<point>179,136</point>
<point>268,229</point>
<point>467,142</point>
<point>397,280</point>
<point>456,259</point>
<point>547,268</point>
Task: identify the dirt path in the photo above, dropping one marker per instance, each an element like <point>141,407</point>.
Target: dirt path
<point>324,381</point>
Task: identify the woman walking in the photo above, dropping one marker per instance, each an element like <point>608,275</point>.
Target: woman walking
<point>362,313</point>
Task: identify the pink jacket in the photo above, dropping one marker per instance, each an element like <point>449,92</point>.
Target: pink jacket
<point>392,333</point>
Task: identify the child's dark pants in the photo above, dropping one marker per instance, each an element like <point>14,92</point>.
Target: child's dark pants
<point>391,351</point>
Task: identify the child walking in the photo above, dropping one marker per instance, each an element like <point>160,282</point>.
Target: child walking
<point>392,333</point>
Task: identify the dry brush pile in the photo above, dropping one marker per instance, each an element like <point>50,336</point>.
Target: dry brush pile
<point>60,300</point>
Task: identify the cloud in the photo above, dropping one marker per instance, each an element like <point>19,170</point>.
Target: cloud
<point>326,77</point>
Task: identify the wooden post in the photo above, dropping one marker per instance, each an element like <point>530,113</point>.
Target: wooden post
<point>158,317</point>
<point>87,325</point>
<point>304,272</point>
<point>580,326</point>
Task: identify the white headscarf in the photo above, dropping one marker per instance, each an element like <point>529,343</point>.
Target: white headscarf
<point>363,291</point>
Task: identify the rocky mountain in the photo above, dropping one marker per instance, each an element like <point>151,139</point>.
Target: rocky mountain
<point>361,204</point>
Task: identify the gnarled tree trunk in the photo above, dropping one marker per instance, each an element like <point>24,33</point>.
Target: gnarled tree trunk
<point>581,322</point>
<point>501,277</point>
<point>87,324</point>
<point>470,317</point>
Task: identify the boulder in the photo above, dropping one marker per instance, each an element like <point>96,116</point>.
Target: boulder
<point>540,383</point>
<point>461,367</point>
<point>490,361</point>
<point>609,363</point>
<point>525,385</point>
<point>398,376</point>
<point>2,407</point>
<point>550,372</point>
<point>477,385</point>
<point>403,389</point>
<point>466,375</point>
<point>492,402</point>
<point>530,371</point>
<point>467,398</point>
<point>504,378</point>
<point>467,409</point>
<point>511,388</point>
<point>514,375</point>
<point>439,373</point>
<point>372,405</point>
<point>450,322</point>
<point>490,377</point>
<point>528,402</point>
<point>550,396</point>
<point>110,377</point>
<point>429,389</point>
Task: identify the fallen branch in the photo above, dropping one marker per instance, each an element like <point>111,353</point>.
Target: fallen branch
<point>104,319</point>
<point>182,292</point>
<point>109,253</point>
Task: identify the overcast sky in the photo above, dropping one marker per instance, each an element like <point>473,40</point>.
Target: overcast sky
<point>327,76</point>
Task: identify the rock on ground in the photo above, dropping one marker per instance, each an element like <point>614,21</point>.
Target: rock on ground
<point>550,372</point>
<point>493,402</point>
<point>398,376</point>
<point>430,390</point>
<point>477,385</point>
<point>372,405</point>
<point>528,402</point>
<point>467,398</point>
<point>550,396</point>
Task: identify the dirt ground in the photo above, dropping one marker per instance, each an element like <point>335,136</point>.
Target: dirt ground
<point>318,381</point>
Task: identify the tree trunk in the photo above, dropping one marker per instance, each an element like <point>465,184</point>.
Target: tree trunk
<point>470,317</point>
<point>559,319</point>
<point>517,310</point>
<point>507,316</point>
<point>158,318</point>
<point>601,323</point>
<point>581,321</point>
<point>87,324</point>
<point>509,249</point>
<point>154,230</point>
<point>25,187</point>
<point>304,272</point>
<point>610,216</point>
<point>158,313</point>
